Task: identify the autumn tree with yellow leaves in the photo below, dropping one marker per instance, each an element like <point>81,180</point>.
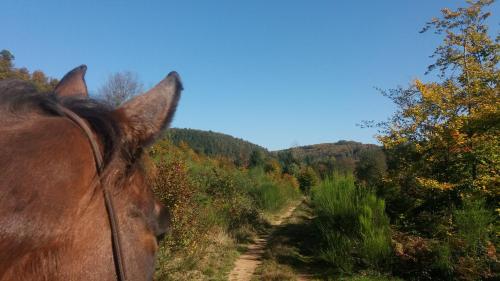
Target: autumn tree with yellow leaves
<point>42,82</point>
<point>443,147</point>
<point>445,137</point>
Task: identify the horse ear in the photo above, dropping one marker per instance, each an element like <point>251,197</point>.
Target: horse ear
<point>73,83</point>
<point>144,116</point>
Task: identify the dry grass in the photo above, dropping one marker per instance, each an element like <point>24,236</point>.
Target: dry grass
<point>272,271</point>
<point>211,261</point>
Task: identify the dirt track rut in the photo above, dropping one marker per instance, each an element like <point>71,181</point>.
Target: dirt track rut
<point>245,265</point>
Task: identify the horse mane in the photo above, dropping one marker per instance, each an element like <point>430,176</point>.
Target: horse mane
<point>20,97</point>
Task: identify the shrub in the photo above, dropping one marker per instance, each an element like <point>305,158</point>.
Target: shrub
<point>351,223</point>
<point>472,243</point>
<point>467,252</point>
<point>173,188</point>
<point>473,227</point>
<point>272,194</point>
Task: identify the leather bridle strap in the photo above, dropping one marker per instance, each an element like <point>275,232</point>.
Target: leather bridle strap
<point>115,231</point>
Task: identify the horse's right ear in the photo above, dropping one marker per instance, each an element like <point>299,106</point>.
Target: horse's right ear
<point>144,116</point>
<point>73,83</point>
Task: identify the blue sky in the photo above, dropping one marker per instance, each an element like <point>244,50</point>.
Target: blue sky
<point>275,73</point>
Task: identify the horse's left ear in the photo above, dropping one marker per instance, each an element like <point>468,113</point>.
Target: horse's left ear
<point>73,83</point>
<point>144,117</point>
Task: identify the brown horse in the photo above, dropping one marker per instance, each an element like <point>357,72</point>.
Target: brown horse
<point>53,219</point>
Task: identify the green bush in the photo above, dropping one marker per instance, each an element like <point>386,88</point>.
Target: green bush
<point>269,194</point>
<point>307,179</point>
<point>351,223</point>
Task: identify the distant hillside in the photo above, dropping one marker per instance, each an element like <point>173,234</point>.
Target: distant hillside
<point>325,151</point>
<point>324,158</point>
<point>215,144</point>
<point>327,158</point>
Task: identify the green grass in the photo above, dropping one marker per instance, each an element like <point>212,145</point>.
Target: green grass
<point>293,249</point>
<point>352,225</point>
<point>270,195</point>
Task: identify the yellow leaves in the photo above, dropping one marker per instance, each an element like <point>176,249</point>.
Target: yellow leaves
<point>393,139</point>
<point>428,183</point>
<point>428,91</point>
<point>419,148</point>
<point>438,99</point>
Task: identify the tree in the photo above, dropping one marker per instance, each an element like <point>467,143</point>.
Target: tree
<point>450,129</point>
<point>272,166</point>
<point>256,159</point>
<point>289,163</point>
<point>42,82</point>
<point>6,64</point>
<point>371,168</point>
<point>307,179</point>
<point>443,143</point>
<point>119,87</point>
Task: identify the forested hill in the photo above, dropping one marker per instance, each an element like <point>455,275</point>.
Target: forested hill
<point>325,151</point>
<point>215,144</point>
<point>328,157</point>
<point>341,155</point>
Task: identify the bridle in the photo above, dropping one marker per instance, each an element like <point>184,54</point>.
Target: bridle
<point>113,223</point>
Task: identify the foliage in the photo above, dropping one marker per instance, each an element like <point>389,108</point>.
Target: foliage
<point>120,87</point>
<point>288,161</point>
<point>446,134</point>
<point>256,159</point>
<point>307,179</point>
<point>208,195</point>
<point>443,155</point>
<point>216,144</point>
<point>340,149</point>
<point>467,253</point>
<point>325,158</point>
<point>173,188</point>
<point>352,224</point>
<point>472,247</point>
<point>473,226</point>
<point>272,166</point>
<point>272,194</point>
<point>371,168</point>
<point>37,77</point>
<point>414,257</point>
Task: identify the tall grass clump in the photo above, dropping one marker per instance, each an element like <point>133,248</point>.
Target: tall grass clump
<point>351,223</point>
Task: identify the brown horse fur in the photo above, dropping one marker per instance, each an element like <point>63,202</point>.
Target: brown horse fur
<point>53,221</point>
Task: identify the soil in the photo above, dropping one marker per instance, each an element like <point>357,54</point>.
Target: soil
<point>247,263</point>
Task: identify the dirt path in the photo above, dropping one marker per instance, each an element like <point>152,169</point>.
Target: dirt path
<point>289,252</point>
<point>245,265</point>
